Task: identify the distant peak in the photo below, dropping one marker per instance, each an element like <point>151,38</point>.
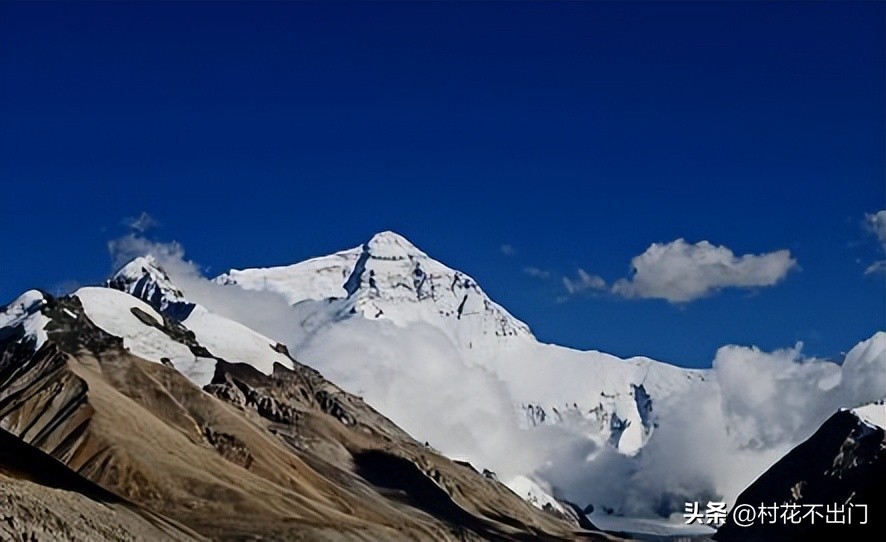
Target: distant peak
<point>144,278</point>
<point>146,261</point>
<point>141,266</point>
<point>391,245</point>
<point>386,277</point>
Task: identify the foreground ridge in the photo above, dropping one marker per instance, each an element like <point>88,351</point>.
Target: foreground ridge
<point>107,387</point>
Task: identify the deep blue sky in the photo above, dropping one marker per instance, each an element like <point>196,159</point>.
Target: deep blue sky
<point>266,133</point>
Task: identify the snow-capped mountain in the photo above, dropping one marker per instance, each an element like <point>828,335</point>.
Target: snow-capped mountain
<point>388,278</point>
<point>145,279</point>
<point>426,346</point>
<point>387,281</point>
<point>23,321</point>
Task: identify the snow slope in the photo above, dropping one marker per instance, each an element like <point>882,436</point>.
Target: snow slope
<point>112,311</point>
<point>873,414</point>
<point>533,493</point>
<point>115,312</point>
<point>234,342</point>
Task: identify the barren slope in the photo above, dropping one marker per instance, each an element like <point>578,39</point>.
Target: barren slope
<point>285,455</point>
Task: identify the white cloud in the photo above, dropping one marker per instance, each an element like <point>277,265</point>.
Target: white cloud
<point>537,273</point>
<point>583,282</point>
<point>141,223</point>
<point>876,224</point>
<point>508,250</point>
<point>716,438</point>
<point>126,248</point>
<point>680,272</point>
<point>474,419</point>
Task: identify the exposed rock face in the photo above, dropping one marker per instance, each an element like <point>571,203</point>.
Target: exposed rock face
<point>841,466</point>
<point>286,455</point>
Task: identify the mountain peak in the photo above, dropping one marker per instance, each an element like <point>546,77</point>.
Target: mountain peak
<point>389,245</point>
<point>389,278</point>
<point>141,265</point>
<point>144,278</point>
<point>24,314</point>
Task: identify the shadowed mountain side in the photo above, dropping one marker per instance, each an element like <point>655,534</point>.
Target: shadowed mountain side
<point>416,489</point>
<point>25,462</point>
<point>842,465</point>
<point>42,499</point>
<point>362,438</point>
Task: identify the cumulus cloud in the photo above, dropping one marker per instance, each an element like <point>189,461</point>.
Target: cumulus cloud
<point>536,272</point>
<point>583,282</point>
<point>507,249</point>
<point>876,225</point>
<point>681,272</point>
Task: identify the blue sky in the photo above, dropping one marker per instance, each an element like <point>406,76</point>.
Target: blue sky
<point>576,133</point>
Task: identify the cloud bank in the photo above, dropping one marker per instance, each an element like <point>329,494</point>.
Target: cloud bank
<point>714,440</point>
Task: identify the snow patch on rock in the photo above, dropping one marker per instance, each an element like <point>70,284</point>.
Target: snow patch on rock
<point>534,494</point>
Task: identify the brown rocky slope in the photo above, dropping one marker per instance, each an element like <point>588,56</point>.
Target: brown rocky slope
<point>285,456</point>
